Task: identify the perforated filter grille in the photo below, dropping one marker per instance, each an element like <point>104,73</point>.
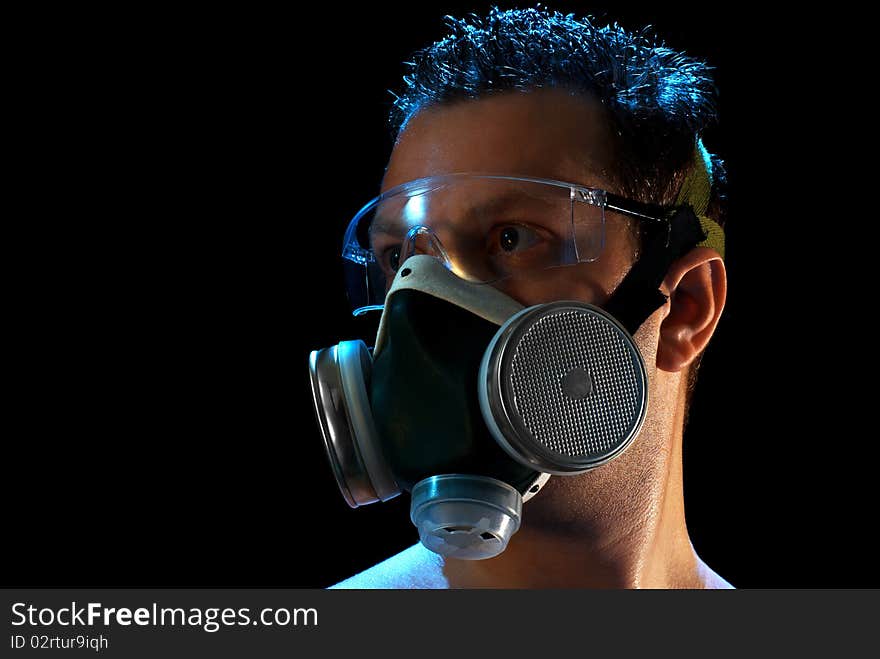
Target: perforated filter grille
<point>590,427</point>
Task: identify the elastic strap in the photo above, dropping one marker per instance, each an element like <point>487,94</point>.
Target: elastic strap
<point>638,295</point>
<point>696,191</point>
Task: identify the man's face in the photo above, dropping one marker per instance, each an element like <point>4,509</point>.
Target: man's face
<point>546,133</point>
<point>552,134</point>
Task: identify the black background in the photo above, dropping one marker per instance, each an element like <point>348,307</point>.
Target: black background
<point>199,170</point>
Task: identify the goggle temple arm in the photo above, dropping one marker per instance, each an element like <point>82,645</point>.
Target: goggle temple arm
<point>638,295</point>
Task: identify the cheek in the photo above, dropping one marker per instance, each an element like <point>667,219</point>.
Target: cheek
<point>585,282</point>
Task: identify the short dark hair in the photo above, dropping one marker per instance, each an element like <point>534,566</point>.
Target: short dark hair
<point>658,100</point>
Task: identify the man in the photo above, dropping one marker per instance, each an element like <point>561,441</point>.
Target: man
<point>535,94</point>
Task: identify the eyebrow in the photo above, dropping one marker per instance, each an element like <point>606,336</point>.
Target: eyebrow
<point>498,204</point>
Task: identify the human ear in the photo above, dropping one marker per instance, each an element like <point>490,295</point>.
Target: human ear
<point>697,288</point>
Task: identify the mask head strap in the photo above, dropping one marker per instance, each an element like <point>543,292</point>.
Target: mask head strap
<point>638,295</point>
<point>696,191</point>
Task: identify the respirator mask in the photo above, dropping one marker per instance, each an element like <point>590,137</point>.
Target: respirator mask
<point>469,400</point>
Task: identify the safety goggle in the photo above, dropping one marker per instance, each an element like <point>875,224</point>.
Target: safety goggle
<point>485,228</point>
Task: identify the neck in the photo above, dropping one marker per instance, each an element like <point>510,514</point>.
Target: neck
<point>619,526</point>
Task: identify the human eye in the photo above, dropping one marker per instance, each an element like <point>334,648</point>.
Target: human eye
<point>389,257</point>
<point>514,239</point>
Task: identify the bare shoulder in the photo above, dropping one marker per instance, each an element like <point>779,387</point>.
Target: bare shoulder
<point>415,567</point>
<point>710,578</point>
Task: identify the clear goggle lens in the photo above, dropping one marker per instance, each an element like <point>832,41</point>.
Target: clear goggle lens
<point>484,228</point>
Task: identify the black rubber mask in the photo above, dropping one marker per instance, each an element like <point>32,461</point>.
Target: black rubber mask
<point>424,394</point>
